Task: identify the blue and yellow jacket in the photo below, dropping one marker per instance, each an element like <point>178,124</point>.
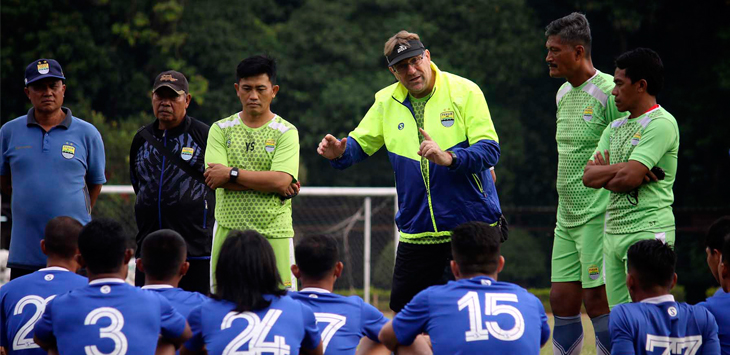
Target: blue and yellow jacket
<point>457,118</point>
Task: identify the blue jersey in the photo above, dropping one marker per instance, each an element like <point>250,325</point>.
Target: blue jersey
<point>343,321</point>
<point>22,302</point>
<point>282,328</point>
<point>109,316</point>
<point>183,301</point>
<point>471,316</point>
<point>660,326</point>
<point>719,306</point>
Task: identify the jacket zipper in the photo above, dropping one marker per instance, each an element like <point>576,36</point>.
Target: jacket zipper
<point>427,185</point>
<point>162,175</point>
<point>205,214</point>
<point>479,184</point>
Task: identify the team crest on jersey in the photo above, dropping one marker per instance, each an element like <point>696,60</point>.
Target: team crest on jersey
<point>672,311</point>
<point>588,113</point>
<point>48,277</point>
<point>68,151</point>
<point>635,139</point>
<point>594,272</point>
<point>43,67</point>
<point>447,118</point>
<point>187,153</point>
<point>270,145</point>
<point>400,126</point>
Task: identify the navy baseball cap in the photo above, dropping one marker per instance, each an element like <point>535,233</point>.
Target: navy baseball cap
<point>41,69</point>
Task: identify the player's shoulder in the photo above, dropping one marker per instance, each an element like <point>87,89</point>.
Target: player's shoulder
<point>457,82</point>
<point>16,123</point>
<point>228,122</point>
<point>603,81</point>
<point>280,124</point>
<point>86,128</point>
<point>198,125</point>
<point>386,93</point>
<point>662,116</point>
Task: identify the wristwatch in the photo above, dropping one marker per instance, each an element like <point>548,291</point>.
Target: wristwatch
<point>233,175</point>
<point>453,158</point>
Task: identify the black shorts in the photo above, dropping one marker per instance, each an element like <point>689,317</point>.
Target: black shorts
<point>418,266</point>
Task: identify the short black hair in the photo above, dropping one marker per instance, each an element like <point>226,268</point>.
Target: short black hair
<point>102,243</point>
<point>257,65</point>
<point>246,271</point>
<point>652,262</point>
<point>62,237</point>
<point>163,252</point>
<point>475,247</point>
<point>572,29</point>
<point>643,63</point>
<point>316,255</point>
<point>726,249</point>
<point>718,232</point>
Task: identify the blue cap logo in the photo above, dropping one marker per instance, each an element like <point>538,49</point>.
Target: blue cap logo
<point>400,126</point>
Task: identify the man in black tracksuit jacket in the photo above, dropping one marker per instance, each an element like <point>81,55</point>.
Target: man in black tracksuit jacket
<point>168,197</point>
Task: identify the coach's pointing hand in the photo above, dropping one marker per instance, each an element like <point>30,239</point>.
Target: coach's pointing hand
<point>331,148</point>
<point>430,150</point>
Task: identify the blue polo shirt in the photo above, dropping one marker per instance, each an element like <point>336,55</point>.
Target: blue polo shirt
<point>50,172</point>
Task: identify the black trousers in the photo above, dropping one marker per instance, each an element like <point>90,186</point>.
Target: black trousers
<point>417,267</point>
<point>196,280</point>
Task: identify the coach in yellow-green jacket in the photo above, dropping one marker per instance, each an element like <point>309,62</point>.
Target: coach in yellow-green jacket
<point>441,143</point>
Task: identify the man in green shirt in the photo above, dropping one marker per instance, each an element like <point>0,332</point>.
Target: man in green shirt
<point>253,163</point>
<point>636,160</point>
<point>584,109</point>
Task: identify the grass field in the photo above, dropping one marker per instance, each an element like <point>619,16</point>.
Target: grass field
<point>589,338</point>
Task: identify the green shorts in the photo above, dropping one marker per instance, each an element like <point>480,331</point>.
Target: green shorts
<point>615,247</point>
<point>578,254</point>
<point>283,249</point>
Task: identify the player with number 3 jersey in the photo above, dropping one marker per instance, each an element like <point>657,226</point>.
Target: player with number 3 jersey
<point>108,316</point>
<point>250,311</point>
<point>476,313</point>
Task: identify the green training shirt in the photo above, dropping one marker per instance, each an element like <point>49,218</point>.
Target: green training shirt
<point>583,113</point>
<point>271,147</point>
<point>653,140</point>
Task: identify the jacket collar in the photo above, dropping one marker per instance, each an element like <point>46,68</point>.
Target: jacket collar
<point>400,93</point>
<point>174,132</point>
<point>66,123</point>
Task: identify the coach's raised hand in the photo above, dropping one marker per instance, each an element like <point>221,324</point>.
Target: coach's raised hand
<point>331,148</point>
<point>430,150</point>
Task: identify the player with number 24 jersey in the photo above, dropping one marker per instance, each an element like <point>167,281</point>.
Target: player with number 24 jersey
<point>470,316</point>
<point>109,317</point>
<point>342,320</point>
<point>282,328</point>
<point>22,302</point>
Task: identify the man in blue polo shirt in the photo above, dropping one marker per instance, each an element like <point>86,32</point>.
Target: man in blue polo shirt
<point>51,163</point>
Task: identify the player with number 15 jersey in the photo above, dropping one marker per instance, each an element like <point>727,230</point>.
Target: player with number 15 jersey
<point>469,316</point>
